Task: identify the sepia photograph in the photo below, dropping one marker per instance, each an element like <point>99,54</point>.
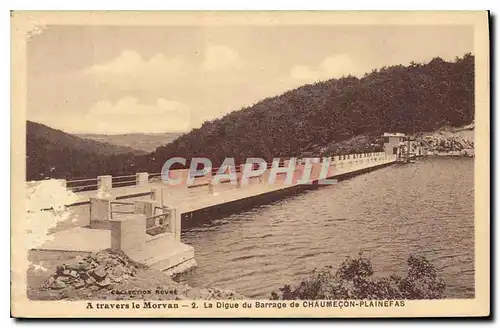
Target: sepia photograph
<point>250,164</point>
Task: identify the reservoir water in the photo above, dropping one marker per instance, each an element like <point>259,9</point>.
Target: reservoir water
<point>424,208</point>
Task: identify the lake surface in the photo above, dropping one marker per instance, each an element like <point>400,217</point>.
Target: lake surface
<point>424,208</point>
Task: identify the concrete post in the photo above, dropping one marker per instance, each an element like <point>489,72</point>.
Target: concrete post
<point>264,177</point>
<point>141,178</point>
<point>100,213</point>
<point>239,175</point>
<point>128,232</point>
<point>104,182</point>
<point>157,195</point>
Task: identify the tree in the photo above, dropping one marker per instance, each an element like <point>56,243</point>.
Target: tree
<point>354,280</point>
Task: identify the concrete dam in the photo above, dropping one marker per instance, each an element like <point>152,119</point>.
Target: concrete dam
<point>143,216</point>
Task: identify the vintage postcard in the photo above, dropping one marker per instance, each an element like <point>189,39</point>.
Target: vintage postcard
<point>250,164</point>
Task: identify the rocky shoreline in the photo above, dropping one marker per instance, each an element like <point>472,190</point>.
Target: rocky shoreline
<point>111,275</point>
<point>449,141</point>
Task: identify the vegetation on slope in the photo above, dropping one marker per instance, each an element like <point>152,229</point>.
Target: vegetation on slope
<point>354,279</point>
<point>56,154</point>
<point>419,97</point>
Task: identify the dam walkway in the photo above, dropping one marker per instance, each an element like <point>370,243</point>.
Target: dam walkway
<point>143,216</point>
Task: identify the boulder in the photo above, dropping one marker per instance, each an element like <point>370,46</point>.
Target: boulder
<point>60,269</point>
<point>84,275</point>
<point>79,284</point>
<point>92,272</point>
<point>116,278</point>
<point>78,265</point>
<point>50,281</point>
<point>90,281</point>
<point>63,278</point>
<point>104,283</point>
<point>118,270</point>
<point>98,273</point>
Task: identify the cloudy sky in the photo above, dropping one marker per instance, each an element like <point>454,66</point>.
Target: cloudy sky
<point>117,79</point>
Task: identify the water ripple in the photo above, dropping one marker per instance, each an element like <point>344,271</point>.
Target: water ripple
<point>424,208</point>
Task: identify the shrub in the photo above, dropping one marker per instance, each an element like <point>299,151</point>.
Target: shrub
<point>354,280</point>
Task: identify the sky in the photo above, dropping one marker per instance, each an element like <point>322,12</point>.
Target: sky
<point>133,79</point>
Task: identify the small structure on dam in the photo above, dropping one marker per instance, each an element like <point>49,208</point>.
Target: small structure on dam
<point>147,232</point>
<point>403,146</point>
<point>392,143</point>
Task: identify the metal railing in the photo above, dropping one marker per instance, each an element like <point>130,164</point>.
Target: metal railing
<point>118,207</point>
<point>157,224</point>
<point>82,184</point>
<point>124,181</point>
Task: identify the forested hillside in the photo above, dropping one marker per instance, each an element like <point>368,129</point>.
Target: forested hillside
<point>418,97</point>
<point>341,115</point>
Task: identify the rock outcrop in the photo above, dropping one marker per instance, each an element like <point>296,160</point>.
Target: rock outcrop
<point>95,271</point>
<point>111,275</point>
<point>455,141</point>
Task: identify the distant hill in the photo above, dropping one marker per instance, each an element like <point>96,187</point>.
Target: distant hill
<point>145,142</point>
<point>56,154</point>
<point>62,139</point>
<point>418,97</point>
